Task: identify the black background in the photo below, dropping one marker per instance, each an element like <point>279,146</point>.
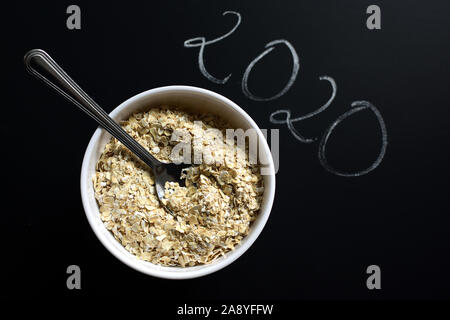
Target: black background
<point>324,230</point>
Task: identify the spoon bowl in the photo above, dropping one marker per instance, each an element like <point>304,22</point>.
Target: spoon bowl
<point>192,100</point>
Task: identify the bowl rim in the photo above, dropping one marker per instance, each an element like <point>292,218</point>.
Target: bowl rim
<point>164,271</point>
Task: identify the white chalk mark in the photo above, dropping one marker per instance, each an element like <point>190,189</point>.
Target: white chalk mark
<point>289,121</point>
<point>188,43</point>
<point>358,106</point>
<point>202,43</point>
<point>295,68</point>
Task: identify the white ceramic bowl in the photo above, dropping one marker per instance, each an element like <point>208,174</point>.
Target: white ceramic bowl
<point>191,99</point>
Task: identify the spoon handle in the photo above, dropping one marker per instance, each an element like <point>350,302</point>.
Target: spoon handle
<point>43,67</point>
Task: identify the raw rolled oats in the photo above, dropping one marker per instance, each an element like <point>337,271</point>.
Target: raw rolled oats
<point>212,213</point>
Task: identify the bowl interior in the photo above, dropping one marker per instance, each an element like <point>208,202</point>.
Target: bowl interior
<point>193,100</point>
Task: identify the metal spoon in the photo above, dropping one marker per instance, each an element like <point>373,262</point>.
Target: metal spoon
<point>43,67</point>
